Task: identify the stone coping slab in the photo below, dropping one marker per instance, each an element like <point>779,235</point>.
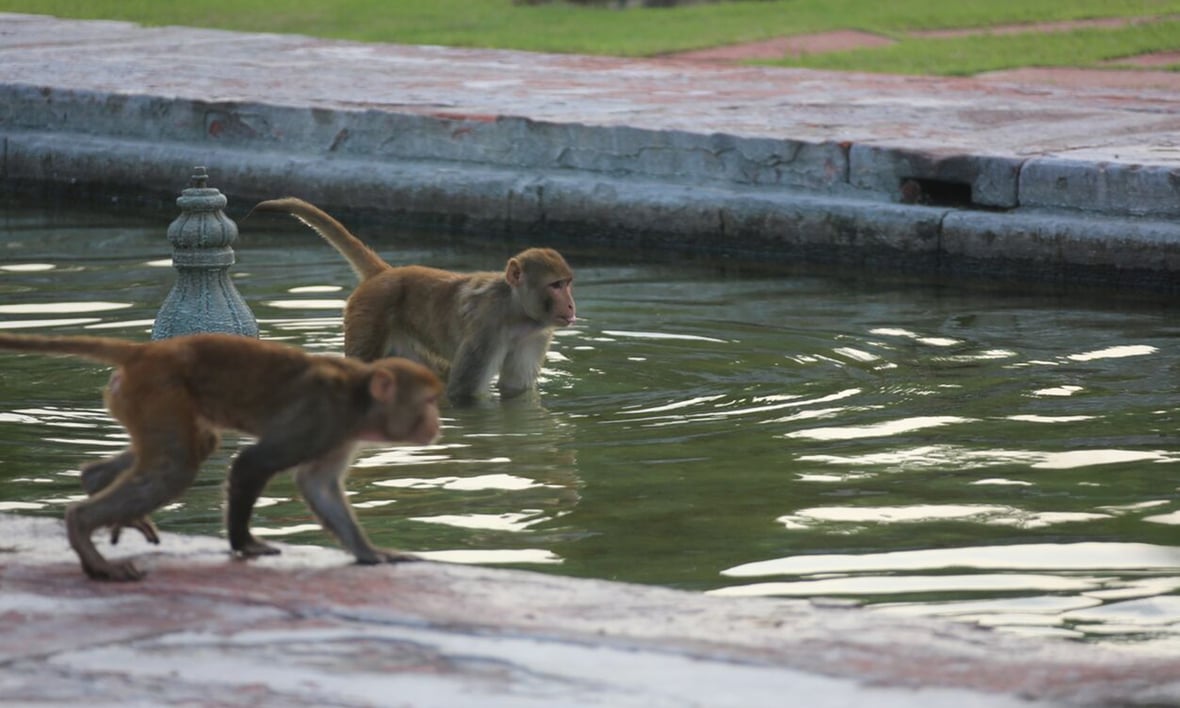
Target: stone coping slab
<point>309,627</point>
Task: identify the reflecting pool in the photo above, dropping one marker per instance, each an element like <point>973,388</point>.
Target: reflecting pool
<point>1001,458</point>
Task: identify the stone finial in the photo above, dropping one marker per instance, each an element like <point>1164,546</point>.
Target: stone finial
<point>203,298</point>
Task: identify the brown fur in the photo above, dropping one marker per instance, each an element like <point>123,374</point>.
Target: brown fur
<point>469,327</point>
<point>174,396</point>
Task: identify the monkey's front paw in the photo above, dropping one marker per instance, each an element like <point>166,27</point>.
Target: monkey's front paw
<point>255,548</point>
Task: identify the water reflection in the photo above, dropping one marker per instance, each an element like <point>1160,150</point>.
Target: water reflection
<point>991,514</point>
<point>1118,352</point>
<point>306,304</point>
<point>882,429</point>
<point>1073,459</point>
<point>26,267</point>
<point>911,584</point>
<point>50,308</point>
<point>1006,461</point>
<point>948,456</point>
<point>1087,585</point>
<point>509,521</point>
<point>506,482</point>
<point>43,324</point>
<point>514,556</point>
<point>1039,556</point>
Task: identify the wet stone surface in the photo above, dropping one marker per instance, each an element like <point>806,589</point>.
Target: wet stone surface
<point>309,628</point>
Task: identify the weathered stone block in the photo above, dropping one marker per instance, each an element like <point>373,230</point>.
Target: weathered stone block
<point>1107,187</point>
<point>992,180</point>
<point>1055,239</point>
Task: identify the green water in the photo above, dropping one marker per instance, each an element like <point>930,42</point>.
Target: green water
<point>1000,458</point>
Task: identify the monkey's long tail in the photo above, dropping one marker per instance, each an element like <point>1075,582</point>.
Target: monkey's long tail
<point>364,260</point>
<point>104,349</point>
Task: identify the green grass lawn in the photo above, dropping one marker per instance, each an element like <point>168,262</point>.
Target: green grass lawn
<point>561,27</point>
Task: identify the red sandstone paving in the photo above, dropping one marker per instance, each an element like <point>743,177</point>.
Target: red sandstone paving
<point>211,603</point>
<point>1068,77</point>
<point>797,45</point>
<point>1128,72</point>
<point>1064,26</point>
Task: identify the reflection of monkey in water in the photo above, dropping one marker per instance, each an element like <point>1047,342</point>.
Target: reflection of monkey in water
<point>308,412</point>
<point>474,325</point>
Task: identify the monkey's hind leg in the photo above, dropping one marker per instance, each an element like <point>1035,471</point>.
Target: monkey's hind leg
<point>321,482</point>
<point>97,476</point>
<point>165,462</point>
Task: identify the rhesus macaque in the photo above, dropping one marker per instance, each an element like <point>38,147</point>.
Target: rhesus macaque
<point>467,327</point>
<point>309,414</point>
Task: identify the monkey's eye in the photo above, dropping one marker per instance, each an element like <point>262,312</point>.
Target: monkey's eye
<point>558,284</point>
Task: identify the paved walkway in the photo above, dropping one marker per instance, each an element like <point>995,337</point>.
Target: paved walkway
<point>309,628</point>
<point>776,163</point>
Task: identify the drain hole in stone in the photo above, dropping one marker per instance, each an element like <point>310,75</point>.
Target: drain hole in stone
<point>935,192</point>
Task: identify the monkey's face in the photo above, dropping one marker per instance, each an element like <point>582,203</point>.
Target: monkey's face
<point>408,408</point>
<point>559,302</point>
<point>427,429</point>
<point>544,286</point>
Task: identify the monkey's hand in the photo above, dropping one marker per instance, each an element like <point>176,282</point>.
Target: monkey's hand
<point>144,525</point>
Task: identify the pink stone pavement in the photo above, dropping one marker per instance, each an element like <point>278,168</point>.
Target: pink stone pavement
<point>310,628</point>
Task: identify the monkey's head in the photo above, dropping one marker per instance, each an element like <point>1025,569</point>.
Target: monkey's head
<point>405,402</point>
<point>543,283</point>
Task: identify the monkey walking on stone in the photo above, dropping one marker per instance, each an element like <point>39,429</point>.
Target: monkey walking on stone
<point>469,327</point>
<point>173,396</point>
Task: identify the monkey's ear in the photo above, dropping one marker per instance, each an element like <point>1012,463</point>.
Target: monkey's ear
<point>513,273</point>
<point>382,386</point>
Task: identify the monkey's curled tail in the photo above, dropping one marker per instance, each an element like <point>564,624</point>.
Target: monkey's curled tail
<point>103,349</point>
<point>364,260</point>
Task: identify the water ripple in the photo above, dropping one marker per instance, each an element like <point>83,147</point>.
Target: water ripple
<point>1087,556</point>
<point>876,430</point>
<point>62,308</point>
<point>988,514</point>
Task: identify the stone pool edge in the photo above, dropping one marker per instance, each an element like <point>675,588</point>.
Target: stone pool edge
<point>311,624</point>
<point>580,149</point>
<point>740,222</point>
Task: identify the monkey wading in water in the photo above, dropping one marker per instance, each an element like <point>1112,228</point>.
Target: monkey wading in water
<point>469,327</point>
<point>173,396</point>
